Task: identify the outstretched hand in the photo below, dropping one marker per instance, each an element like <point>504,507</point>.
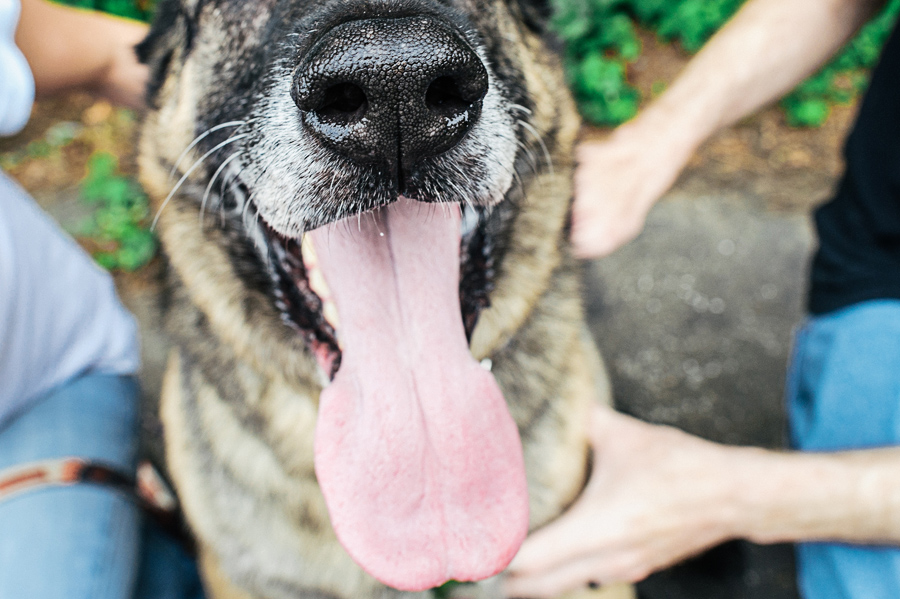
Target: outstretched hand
<point>655,497</point>
<point>70,48</point>
<point>617,181</point>
<point>125,79</point>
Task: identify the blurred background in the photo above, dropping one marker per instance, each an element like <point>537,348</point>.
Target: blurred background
<point>694,317</point>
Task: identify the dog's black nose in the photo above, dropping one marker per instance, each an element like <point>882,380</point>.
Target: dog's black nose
<point>390,91</point>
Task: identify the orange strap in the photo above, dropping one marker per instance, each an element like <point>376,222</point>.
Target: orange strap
<point>148,486</point>
<point>26,477</point>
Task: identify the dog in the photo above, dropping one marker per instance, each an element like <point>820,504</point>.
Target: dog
<point>381,375</point>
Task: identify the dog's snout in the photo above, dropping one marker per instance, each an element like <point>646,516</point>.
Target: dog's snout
<point>390,91</point>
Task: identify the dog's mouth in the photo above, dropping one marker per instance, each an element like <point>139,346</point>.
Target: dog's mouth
<point>305,301</point>
<point>417,456</point>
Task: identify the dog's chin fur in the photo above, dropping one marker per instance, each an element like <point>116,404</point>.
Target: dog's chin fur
<point>242,387</point>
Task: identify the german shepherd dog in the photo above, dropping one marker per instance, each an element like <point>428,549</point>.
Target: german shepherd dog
<point>380,375</point>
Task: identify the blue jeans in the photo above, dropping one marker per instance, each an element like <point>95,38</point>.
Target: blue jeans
<point>84,541</point>
<point>843,393</point>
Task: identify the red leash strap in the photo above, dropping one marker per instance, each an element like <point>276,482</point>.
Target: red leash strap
<point>26,477</point>
<point>148,487</point>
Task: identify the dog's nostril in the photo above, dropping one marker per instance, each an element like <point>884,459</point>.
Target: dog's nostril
<point>445,97</point>
<point>391,91</point>
<point>342,103</point>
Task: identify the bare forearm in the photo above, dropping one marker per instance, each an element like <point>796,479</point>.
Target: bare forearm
<point>69,48</point>
<point>852,497</point>
<point>657,495</point>
<point>763,51</point>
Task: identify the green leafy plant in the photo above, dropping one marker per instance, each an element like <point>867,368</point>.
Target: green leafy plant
<point>133,9</point>
<point>839,81</point>
<point>601,40</point>
<point>446,590</point>
<point>120,225</point>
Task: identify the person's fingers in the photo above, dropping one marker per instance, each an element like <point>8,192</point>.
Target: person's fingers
<point>591,242</point>
<point>599,230</point>
<point>566,539</point>
<point>126,79</point>
<point>574,533</point>
<point>595,236</point>
<point>596,569</point>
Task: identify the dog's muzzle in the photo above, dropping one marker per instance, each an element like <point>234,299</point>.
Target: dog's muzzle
<point>390,92</point>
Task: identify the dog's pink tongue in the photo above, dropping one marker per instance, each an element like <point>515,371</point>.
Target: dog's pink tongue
<point>419,461</point>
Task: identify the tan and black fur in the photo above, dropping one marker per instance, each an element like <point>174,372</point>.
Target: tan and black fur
<point>240,393</point>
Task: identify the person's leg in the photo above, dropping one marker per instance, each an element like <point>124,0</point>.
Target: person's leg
<point>844,393</point>
<point>167,571</point>
<point>80,541</point>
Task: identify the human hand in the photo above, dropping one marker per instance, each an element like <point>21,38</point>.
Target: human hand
<point>618,180</point>
<point>125,79</point>
<point>70,48</point>
<point>656,496</point>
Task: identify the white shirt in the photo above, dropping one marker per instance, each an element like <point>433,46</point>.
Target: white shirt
<point>59,313</point>
<point>16,81</point>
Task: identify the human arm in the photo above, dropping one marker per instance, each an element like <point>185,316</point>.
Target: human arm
<point>68,48</point>
<point>760,54</point>
<point>658,495</point>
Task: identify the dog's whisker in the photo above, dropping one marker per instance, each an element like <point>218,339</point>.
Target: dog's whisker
<point>455,187</point>
<point>521,108</point>
<point>331,188</point>
<point>200,138</point>
<point>375,221</point>
<point>229,181</point>
<point>212,182</point>
<point>188,174</point>
<point>532,161</point>
<point>254,188</point>
<point>255,234</point>
<point>540,140</point>
<point>518,179</point>
<point>244,211</point>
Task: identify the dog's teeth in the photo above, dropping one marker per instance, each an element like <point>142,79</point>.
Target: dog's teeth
<point>329,311</point>
<point>469,220</point>
<point>487,364</point>
<point>318,285</point>
<point>313,273</point>
<point>308,252</point>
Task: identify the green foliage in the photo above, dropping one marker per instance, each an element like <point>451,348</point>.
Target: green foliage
<point>121,214</point>
<point>445,590</point>
<point>56,137</point>
<point>133,9</point>
<point>844,77</point>
<point>691,22</point>
<point>601,41</point>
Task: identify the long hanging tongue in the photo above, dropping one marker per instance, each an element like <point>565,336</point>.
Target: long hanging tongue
<point>417,456</point>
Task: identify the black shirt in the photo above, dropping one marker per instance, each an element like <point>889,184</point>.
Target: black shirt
<point>859,230</point>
